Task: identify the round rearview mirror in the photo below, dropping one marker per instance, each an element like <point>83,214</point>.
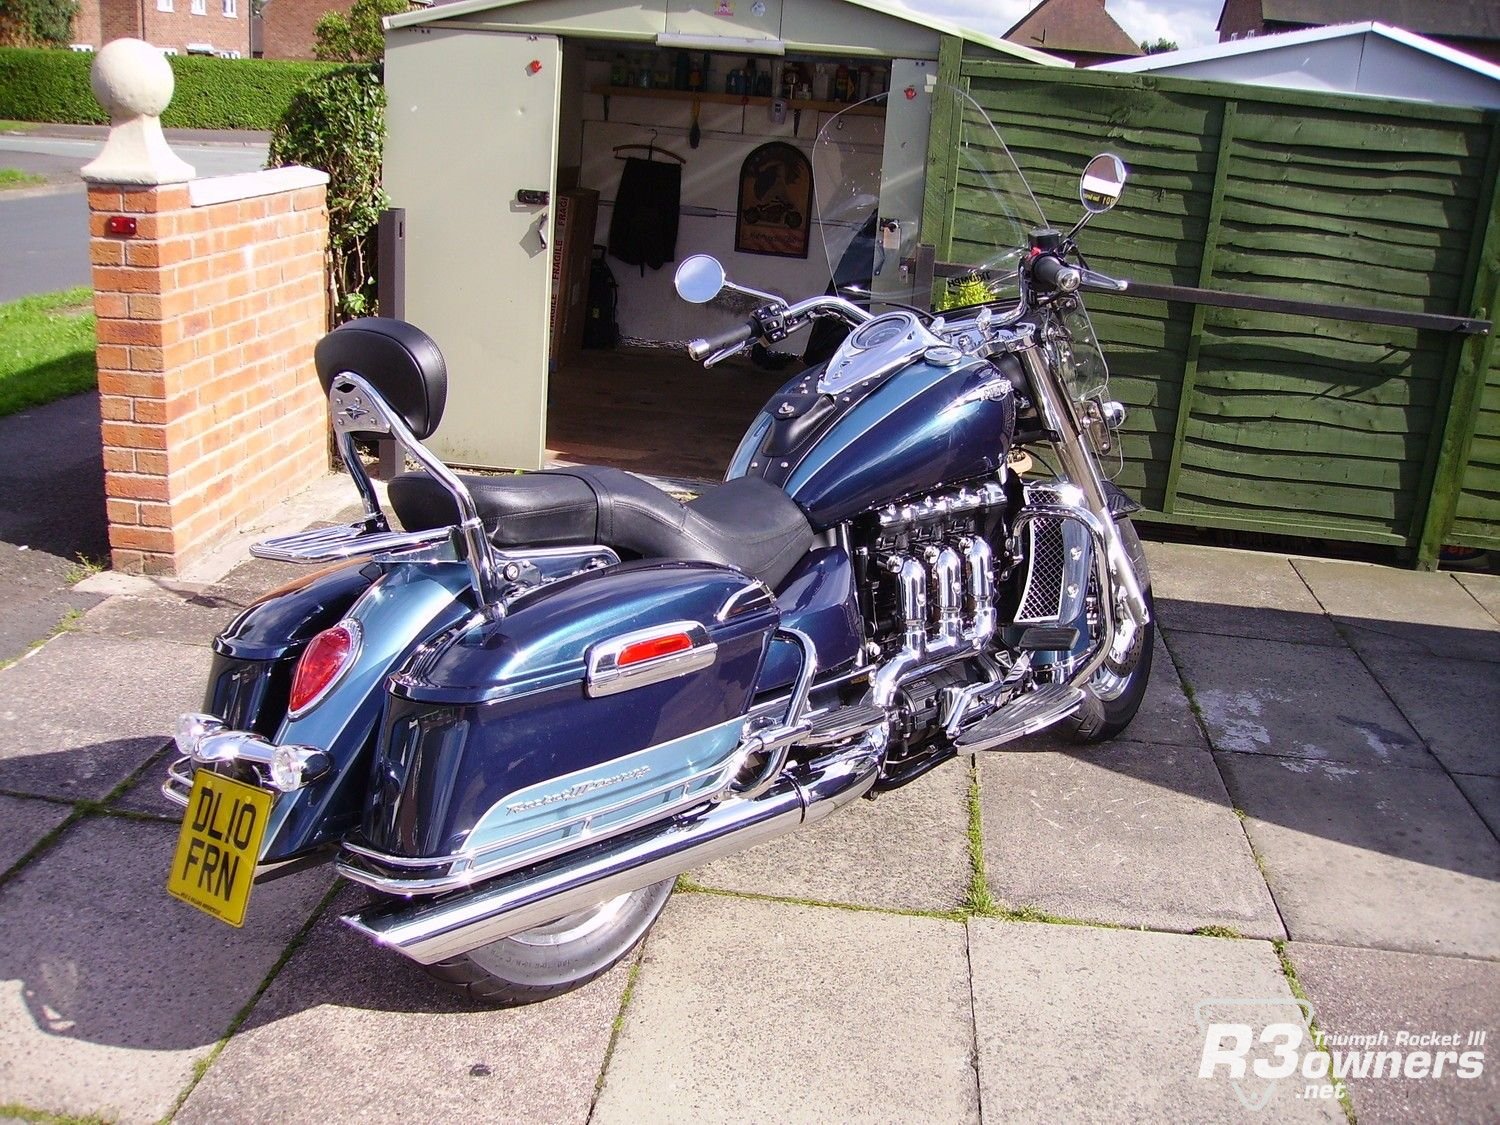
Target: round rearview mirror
<point>1103,181</point>
<point>699,279</point>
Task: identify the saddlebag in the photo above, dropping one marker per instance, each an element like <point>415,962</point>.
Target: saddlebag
<point>597,704</point>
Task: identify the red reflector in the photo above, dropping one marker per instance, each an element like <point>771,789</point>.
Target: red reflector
<point>656,646</point>
<point>120,224</point>
<point>330,652</point>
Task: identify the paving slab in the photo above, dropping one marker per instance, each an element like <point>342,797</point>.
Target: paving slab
<point>386,1043</point>
<point>40,596</point>
<point>1235,593</point>
<point>1484,795</point>
<point>81,714</point>
<point>906,850</point>
<point>254,577</point>
<point>1453,704</point>
<point>23,823</point>
<point>1484,589</point>
<point>1379,607</point>
<point>1102,836</point>
<point>110,990</point>
<point>753,1011</point>
<point>1076,1023</point>
<point>187,618</point>
<point>1386,858</point>
<point>1303,701</point>
<point>1371,992</point>
<point>144,795</point>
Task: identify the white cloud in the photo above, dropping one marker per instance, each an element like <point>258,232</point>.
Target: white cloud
<point>1188,23</point>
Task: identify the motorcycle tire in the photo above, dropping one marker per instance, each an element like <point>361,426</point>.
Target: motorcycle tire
<point>1115,693</point>
<point>558,956</point>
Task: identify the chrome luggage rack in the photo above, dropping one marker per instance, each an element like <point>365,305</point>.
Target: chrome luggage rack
<point>357,408</point>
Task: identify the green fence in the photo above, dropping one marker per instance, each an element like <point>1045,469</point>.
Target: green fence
<point>1268,422</point>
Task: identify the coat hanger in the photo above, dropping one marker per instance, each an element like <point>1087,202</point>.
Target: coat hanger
<point>651,150</point>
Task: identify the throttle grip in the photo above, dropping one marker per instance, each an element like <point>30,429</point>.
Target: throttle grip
<point>1052,273</point>
<point>702,348</point>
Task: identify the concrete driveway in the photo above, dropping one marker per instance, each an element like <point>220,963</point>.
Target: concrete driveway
<point>1301,821</point>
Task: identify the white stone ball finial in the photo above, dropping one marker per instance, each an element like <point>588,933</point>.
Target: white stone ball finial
<point>134,82</point>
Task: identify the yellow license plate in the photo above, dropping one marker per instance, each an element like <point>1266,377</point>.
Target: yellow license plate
<point>219,846</point>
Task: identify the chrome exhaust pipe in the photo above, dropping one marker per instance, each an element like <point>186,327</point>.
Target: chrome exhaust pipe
<point>435,930</point>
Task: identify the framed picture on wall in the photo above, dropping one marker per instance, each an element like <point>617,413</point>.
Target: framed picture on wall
<point>775,202</point>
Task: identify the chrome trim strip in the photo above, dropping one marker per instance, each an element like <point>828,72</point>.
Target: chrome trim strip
<point>747,598</point>
<point>604,676</point>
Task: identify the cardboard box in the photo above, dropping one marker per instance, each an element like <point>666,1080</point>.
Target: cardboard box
<point>572,243</point>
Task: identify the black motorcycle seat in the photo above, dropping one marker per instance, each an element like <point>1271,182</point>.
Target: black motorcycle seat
<point>745,523</point>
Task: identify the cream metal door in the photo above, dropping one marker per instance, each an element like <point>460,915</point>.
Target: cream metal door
<point>471,154</point>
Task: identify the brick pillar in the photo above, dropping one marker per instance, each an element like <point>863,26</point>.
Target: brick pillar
<point>207,311</point>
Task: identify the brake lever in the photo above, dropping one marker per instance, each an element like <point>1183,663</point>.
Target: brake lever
<point>725,353</point>
<point>1093,279</point>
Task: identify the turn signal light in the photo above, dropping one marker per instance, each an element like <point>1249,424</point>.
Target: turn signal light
<point>652,648</point>
<point>328,657</point>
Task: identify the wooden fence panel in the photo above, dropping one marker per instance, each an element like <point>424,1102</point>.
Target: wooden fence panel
<point>1262,421</point>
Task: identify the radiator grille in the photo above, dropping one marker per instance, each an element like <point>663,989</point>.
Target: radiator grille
<point>1041,599</point>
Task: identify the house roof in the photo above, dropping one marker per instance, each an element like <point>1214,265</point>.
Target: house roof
<point>448,9</point>
<point>1081,26</point>
<point>1275,42</point>
<point>1454,19</point>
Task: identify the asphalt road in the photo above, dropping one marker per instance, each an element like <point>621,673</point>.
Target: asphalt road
<point>44,231</point>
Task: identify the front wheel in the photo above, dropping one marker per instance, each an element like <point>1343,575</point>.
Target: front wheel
<point>1114,693</point>
<point>558,956</point>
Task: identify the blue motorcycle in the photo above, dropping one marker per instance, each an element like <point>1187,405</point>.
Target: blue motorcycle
<point>520,717</point>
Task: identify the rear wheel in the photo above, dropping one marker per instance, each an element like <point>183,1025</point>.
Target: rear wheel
<point>558,956</point>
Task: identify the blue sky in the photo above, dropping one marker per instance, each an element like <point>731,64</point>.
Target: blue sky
<point>1188,23</point>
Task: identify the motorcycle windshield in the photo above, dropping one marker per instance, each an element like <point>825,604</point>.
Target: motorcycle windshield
<point>870,198</point>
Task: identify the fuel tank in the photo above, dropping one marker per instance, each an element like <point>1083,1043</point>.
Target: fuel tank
<point>868,442</point>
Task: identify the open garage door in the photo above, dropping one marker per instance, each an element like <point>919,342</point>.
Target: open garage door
<point>471,154</point>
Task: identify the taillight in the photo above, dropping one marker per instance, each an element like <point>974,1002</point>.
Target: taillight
<point>327,658</point>
<point>653,648</point>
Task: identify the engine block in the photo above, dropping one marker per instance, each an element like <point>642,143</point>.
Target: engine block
<point>933,552</point>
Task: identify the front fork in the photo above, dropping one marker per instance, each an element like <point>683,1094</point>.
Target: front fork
<point>1078,466</point>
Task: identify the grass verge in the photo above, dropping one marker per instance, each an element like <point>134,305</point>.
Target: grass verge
<point>46,349</point>
<point>14,178</point>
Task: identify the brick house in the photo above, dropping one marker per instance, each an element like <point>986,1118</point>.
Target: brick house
<point>1078,30</point>
<point>1471,26</point>
<point>185,27</point>
<point>284,28</point>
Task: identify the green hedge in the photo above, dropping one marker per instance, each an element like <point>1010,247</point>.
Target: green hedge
<point>53,86</point>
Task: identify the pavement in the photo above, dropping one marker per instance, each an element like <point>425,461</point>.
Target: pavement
<point>1301,822</point>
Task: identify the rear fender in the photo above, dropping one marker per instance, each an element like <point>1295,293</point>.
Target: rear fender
<point>397,612</point>
<point>254,656</point>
